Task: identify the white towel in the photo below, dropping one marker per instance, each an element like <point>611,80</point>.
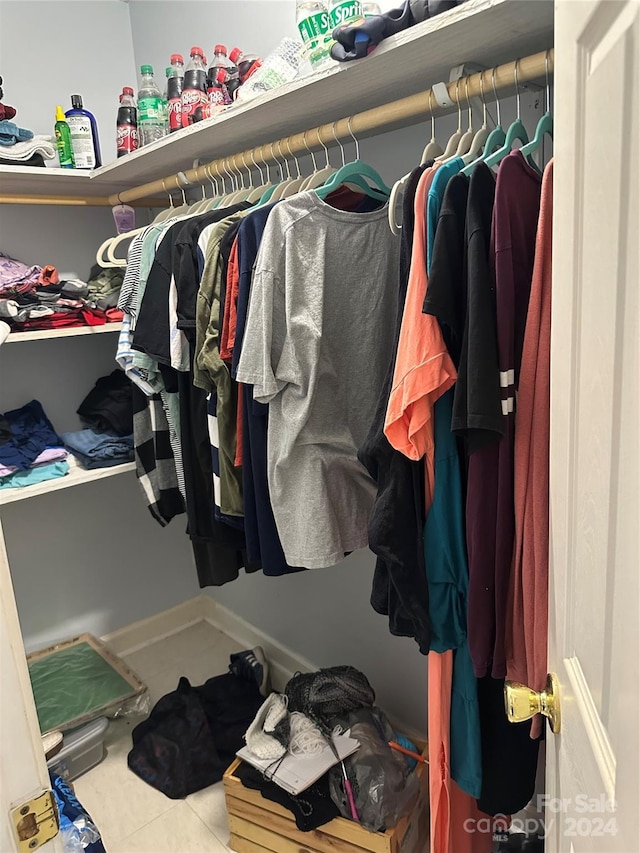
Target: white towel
<point>25,150</point>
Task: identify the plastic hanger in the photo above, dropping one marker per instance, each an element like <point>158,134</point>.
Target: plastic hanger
<point>269,192</point>
<point>480,139</point>
<point>317,179</point>
<point>432,148</point>
<point>545,124</point>
<point>225,199</point>
<point>516,131</point>
<point>456,136</point>
<point>467,137</point>
<point>355,181</point>
<point>431,151</point>
<point>298,181</point>
<point>281,188</point>
<point>203,205</point>
<point>354,173</point>
<point>257,192</point>
<point>244,193</point>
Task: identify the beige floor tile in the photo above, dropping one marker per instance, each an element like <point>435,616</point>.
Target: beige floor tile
<point>210,807</point>
<point>158,656</point>
<point>118,801</point>
<point>179,830</point>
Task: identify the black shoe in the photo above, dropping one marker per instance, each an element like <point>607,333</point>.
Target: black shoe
<point>253,666</point>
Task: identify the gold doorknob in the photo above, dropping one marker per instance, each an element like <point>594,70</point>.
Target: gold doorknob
<point>521,703</point>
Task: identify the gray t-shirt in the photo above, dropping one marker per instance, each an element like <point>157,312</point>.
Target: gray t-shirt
<point>318,339</point>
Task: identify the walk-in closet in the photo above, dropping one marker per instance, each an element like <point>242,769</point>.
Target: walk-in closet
<point>389,421</point>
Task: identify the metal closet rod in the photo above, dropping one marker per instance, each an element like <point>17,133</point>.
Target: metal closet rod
<point>406,111</point>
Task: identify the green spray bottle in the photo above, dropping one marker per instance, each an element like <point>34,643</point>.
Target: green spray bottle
<point>63,140</point>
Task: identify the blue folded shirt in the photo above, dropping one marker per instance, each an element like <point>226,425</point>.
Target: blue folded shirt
<point>31,432</point>
<point>99,449</point>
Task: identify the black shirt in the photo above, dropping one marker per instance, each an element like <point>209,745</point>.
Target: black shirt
<point>446,296</point>
<point>397,519</point>
<point>477,410</point>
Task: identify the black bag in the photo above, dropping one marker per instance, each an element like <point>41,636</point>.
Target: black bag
<point>193,734</point>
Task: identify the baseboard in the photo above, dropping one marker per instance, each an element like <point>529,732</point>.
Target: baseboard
<point>283,662</point>
<point>139,634</point>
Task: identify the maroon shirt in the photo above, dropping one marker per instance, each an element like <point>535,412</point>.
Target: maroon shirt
<point>491,468</point>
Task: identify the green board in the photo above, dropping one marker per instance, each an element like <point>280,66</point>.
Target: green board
<point>75,683</point>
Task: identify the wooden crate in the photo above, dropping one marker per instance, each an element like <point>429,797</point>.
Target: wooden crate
<point>258,825</point>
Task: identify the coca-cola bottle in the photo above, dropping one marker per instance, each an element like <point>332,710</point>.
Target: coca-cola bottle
<point>127,123</point>
<point>220,61</point>
<point>194,92</point>
<point>175,84</point>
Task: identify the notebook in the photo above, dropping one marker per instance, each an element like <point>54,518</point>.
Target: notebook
<point>295,773</point>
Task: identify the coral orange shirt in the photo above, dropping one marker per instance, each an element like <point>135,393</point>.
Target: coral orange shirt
<point>423,369</point>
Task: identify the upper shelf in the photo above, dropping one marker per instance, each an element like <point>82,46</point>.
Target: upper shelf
<point>486,32</point>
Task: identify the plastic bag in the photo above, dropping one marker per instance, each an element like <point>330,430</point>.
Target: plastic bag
<point>78,831</point>
<point>383,785</point>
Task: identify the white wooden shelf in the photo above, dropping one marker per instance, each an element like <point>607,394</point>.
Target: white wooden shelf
<point>72,332</point>
<point>50,181</point>
<point>77,476</point>
<point>487,32</point>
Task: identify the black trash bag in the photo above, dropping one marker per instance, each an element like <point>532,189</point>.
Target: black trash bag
<point>193,734</point>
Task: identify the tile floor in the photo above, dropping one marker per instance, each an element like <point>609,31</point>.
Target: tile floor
<point>132,816</point>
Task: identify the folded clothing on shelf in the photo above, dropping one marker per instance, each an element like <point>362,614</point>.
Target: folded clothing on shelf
<point>16,276</point>
<point>31,433</point>
<point>20,152</point>
<point>10,133</point>
<point>109,405</point>
<point>48,455</point>
<point>99,449</point>
<point>104,286</point>
<point>36,474</point>
<point>35,298</point>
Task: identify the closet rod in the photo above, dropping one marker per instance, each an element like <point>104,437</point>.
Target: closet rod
<point>80,201</point>
<point>410,110</point>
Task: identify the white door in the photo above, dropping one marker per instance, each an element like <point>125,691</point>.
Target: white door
<point>23,771</point>
<point>595,509</point>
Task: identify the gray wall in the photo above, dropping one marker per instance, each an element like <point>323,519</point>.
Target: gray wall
<point>51,49</point>
<point>165,27</point>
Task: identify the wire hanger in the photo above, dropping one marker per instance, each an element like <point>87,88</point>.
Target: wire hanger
<point>545,125</point>
<point>516,131</point>
<point>456,136</point>
<point>432,148</point>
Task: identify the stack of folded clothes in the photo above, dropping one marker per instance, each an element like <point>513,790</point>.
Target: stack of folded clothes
<point>35,297</point>
<point>30,449</point>
<point>107,412</point>
<point>19,147</point>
